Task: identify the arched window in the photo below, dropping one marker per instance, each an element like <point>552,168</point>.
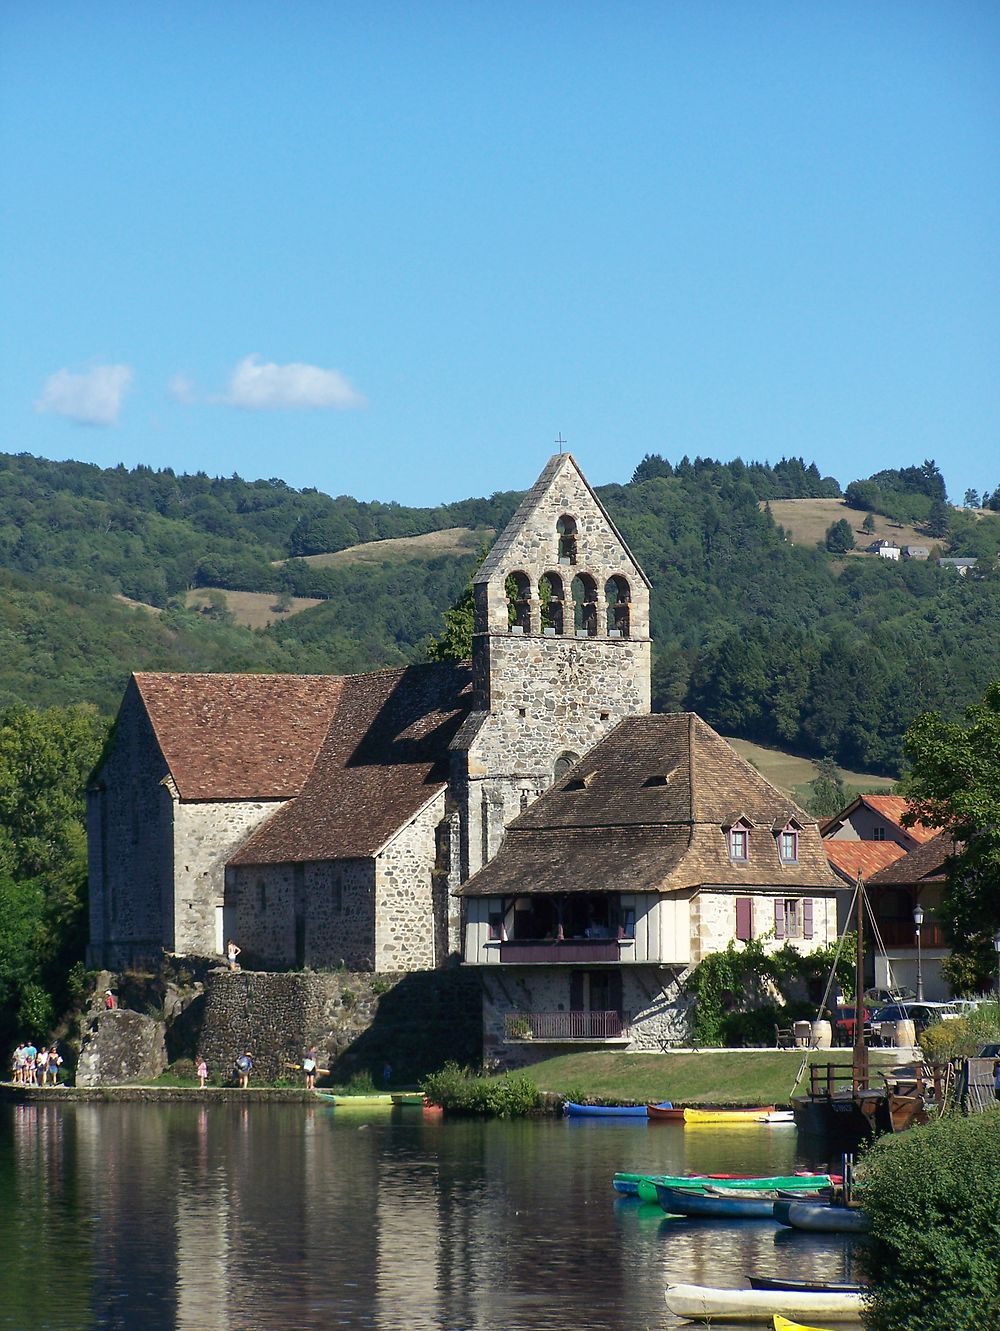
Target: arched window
<point>566,531</point>
<point>585,605</point>
<point>518,589</point>
<point>550,594</point>
<point>563,763</point>
<point>617,595</point>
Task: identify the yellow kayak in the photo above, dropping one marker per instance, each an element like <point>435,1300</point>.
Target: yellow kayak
<point>727,1115</point>
<point>783,1324</point>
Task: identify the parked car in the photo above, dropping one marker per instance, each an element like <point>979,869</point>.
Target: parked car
<point>921,1014</point>
<point>880,997</point>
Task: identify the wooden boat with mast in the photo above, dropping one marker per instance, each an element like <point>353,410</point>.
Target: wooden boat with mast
<point>841,1103</point>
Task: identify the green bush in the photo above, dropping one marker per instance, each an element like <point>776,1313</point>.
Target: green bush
<point>933,1194</point>
<point>458,1091</point>
<point>962,1037</point>
<point>182,1069</point>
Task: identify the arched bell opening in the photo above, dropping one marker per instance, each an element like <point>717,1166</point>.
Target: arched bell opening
<point>618,596</point>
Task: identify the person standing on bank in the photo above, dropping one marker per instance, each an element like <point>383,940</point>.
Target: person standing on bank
<point>244,1066</point>
<point>232,952</point>
<point>201,1072</point>
<point>309,1068</point>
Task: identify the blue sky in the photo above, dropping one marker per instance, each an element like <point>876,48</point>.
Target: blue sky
<point>393,249</point>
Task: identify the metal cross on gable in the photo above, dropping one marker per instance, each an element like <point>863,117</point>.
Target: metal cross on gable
<point>561,441</point>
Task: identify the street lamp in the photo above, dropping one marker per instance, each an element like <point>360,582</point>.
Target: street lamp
<point>996,944</point>
<point>918,919</point>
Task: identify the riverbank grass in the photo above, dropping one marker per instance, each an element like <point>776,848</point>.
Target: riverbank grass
<point>710,1076</point>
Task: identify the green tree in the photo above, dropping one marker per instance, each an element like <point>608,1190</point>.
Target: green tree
<point>954,784</point>
<point>839,537</point>
<point>971,499</point>
<point>868,526</point>
<point>938,519</point>
<point>827,792</point>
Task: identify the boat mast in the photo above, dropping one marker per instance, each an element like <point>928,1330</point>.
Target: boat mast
<point>860,1051</point>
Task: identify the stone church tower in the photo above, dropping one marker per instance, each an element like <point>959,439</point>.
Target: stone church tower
<point>561,654</point>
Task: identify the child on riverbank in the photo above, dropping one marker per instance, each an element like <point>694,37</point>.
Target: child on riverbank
<point>201,1071</point>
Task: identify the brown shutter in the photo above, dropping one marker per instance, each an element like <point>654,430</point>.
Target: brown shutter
<point>779,918</point>
<point>744,919</point>
<point>807,918</point>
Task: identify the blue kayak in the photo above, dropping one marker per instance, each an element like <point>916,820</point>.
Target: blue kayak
<point>572,1110</point>
<point>677,1201</point>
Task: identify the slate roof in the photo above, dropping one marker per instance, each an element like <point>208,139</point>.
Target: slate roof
<point>644,811</point>
<point>923,864</point>
<point>239,737</point>
<point>891,807</point>
<point>384,756</point>
<point>848,857</point>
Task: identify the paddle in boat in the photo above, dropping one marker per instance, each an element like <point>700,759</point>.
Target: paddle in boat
<point>700,1302</point>
<point>573,1110</point>
<point>804,1286</point>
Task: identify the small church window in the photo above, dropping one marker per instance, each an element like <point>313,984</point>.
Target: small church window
<point>585,605</point>
<point>566,531</point>
<point>550,595</point>
<point>517,586</point>
<point>617,595</point>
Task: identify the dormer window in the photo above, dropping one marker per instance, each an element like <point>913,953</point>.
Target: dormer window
<point>788,846</point>
<point>739,844</point>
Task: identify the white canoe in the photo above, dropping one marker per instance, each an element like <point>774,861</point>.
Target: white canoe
<point>701,1302</point>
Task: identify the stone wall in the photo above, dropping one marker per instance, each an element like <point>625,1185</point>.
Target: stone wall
<point>404,894</point>
<point>129,845</point>
<point>205,835</point>
<point>121,1046</point>
<point>358,1021</point>
<point>713,920</point>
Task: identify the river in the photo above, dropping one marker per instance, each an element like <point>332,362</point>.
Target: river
<point>195,1217</point>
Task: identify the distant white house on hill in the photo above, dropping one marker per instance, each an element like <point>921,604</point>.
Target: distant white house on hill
<point>884,549</point>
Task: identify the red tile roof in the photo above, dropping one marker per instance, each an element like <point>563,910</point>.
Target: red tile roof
<point>384,757</point>
<point>847,857</point>
<point>893,807</point>
<point>239,737</point>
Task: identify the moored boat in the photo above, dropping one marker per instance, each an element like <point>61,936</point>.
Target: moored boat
<point>573,1110</point>
<point>780,1323</point>
<point>820,1218</point>
<point>664,1114</point>
<point>718,1206</point>
<point>700,1302</point>
<point>805,1286</point>
<point>721,1116</point>
<point>344,1101</point>
<point>644,1185</point>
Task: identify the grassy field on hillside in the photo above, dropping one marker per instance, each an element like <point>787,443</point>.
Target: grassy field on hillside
<point>709,1077</point>
<point>806,522</point>
<point>793,774</point>
<point>254,610</point>
<point>448,541</point>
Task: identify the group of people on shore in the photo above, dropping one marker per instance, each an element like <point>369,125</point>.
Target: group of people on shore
<point>31,1066</point>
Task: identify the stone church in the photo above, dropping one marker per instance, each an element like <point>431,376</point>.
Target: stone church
<point>328,821</point>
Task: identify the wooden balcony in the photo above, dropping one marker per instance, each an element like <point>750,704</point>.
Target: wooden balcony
<point>553,952</point>
<point>568,1027</point>
<point>902,934</point>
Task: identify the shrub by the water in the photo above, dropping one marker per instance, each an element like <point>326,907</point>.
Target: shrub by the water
<point>962,1037</point>
<point>459,1091</point>
<point>933,1194</point>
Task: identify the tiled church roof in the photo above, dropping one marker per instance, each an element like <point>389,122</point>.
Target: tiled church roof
<point>239,737</point>
<point>645,810</point>
<point>384,757</point>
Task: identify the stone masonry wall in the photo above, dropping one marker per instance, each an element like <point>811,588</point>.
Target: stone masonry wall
<point>404,894</point>
<point>357,1021</point>
<point>129,845</point>
<point>205,835</point>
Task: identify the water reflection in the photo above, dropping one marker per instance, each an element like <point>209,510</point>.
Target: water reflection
<point>206,1218</point>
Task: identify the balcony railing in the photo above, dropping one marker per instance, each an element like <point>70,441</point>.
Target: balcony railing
<point>578,1027</point>
<point>545,952</point>
<point>901,933</point>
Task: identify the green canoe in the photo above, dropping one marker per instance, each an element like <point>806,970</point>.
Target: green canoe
<point>644,1185</point>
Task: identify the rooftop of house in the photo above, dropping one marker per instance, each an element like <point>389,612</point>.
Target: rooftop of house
<point>239,737</point>
<point>923,864</point>
<point>649,809</point>
<point>385,754</point>
<point>849,858</point>
<point>889,807</point>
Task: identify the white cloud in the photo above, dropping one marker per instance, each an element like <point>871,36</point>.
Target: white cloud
<point>256,385</point>
<point>92,398</point>
<point>181,388</point>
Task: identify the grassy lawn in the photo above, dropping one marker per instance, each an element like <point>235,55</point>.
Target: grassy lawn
<point>712,1076</point>
<point>793,774</point>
